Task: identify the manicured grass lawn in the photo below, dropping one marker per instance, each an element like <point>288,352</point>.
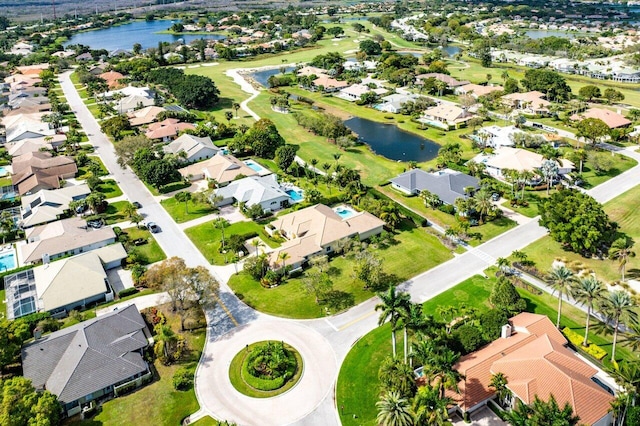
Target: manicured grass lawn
<point>5,181</point>
<point>473,292</point>
<point>208,239</point>
<point>357,389</point>
<point>148,253</point>
<point>115,212</point>
<point>84,173</point>
<point>205,421</point>
<point>594,178</point>
<point>413,252</point>
<point>623,210</point>
<point>157,403</point>
<point>180,214</point>
<point>110,188</point>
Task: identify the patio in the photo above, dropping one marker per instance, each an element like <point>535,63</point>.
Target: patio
<point>482,417</point>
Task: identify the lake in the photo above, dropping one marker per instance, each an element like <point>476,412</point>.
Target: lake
<point>124,36</point>
<point>263,76</point>
<point>537,34</point>
<point>391,142</point>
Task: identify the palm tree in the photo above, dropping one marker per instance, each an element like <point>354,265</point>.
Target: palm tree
<point>621,249</point>
<point>549,170</point>
<point>617,307</point>
<point>588,291</point>
<point>412,319</point>
<point>499,384</point>
<point>336,156</point>
<point>184,197</point>
<point>483,203</point>
<point>393,410</point>
<point>447,313</point>
<point>283,256</point>
<point>429,408</point>
<point>396,376</point>
<point>129,210</point>
<point>236,106</point>
<point>392,304</point>
<point>221,223</point>
<point>136,219</point>
<point>562,280</point>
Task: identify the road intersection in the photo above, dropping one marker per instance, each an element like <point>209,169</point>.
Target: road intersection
<point>323,343</point>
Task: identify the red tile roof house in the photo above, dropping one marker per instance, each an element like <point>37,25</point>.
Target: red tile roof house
<point>612,119</point>
<point>167,130</point>
<point>533,356</point>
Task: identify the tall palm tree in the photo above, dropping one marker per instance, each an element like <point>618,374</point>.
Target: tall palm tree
<point>221,223</point>
<point>283,256</point>
<point>396,376</point>
<point>483,203</point>
<point>392,304</point>
<point>429,408</point>
<point>622,249</point>
<point>499,384</point>
<point>617,307</point>
<point>562,280</point>
<point>393,410</point>
<point>627,374</point>
<point>588,291</point>
<point>412,319</point>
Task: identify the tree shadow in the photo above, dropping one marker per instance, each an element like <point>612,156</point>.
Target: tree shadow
<point>633,273</point>
<point>338,300</point>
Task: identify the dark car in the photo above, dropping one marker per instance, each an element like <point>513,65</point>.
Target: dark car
<point>495,196</point>
<point>95,224</point>
<point>140,242</point>
<point>137,205</point>
<point>153,227</point>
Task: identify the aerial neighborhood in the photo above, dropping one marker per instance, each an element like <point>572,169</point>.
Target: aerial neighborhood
<point>320,213</point>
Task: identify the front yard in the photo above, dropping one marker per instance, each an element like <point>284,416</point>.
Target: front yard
<point>208,239</point>
<point>181,213</point>
<point>110,188</point>
<point>146,253</point>
<point>413,251</point>
<point>115,212</point>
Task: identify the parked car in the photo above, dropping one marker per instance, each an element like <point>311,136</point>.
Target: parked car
<point>95,224</point>
<point>495,196</point>
<point>137,205</point>
<point>153,227</point>
<point>139,241</point>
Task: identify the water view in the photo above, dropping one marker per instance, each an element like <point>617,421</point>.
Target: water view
<point>124,36</point>
<point>537,34</point>
<point>263,76</point>
<point>391,142</point>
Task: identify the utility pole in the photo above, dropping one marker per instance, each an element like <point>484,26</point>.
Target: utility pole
<point>53,3</point>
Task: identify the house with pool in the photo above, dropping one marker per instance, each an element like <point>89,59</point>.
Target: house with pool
<point>222,168</point>
<point>262,190</point>
<point>315,231</point>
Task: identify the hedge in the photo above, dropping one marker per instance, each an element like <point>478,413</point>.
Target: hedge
<point>260,384</point>
<point>576,339</point>
<point>127,292</point>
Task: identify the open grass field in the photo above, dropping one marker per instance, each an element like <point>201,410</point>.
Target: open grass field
<point>208,239</point>
<point>181,213</point>
<point>413,251</point>
<point>623,210</point>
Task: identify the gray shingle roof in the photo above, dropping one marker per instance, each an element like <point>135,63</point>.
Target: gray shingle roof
<point>89,356</point>
<point>447,184</point>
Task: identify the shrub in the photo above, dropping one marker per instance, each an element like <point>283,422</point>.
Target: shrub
<point>491,323</point>
<point>504,296</point>
<point>183,379</point>
<point>447,208</point>
<point>127,292</point>
<point>576,339</point>
<point>469,337</point>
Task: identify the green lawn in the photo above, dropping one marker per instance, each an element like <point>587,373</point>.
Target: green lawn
<point>208,239</point>
<point>115,212</point>
<point>181,213</point>
<point>357,389</point>
<point>3,305</point>
<point>414,251</point>
<point>84,173</point>
<point>473,292</point>
<point>206,421</point>
<point>148,253</point>
<point>5,181</point>
<point>110,188</point>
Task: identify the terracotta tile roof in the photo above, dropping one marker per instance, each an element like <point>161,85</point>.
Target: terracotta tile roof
<point>112,78</point>
<point>611,119</point>
<point>538,325</point>
<point>144,115</point>
<point>222,168</point>
<point>167,128</point>
<point>328,82</point>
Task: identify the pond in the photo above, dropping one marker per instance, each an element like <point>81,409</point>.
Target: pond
<point>263,76</point>
<point>391,142</point>
<point>451,50</point>
<point>537,34</point>
<point>124,36</point>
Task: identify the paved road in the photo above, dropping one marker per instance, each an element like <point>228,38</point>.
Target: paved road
<point>324,343</point>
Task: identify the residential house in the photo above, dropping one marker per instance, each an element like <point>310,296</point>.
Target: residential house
<point>62,238</point>
<point>476,90</point>
<point>21,48</point>
<point>25,126</point>
<point>48,205</point>
<point>262,190</point>
<point>84,57</point>
<point>445,116</point>
<point>329,84</point>
<point>167,129</point>
<point>112,79</point>
<point>33,104</point>
<point>355,91</point>
<point>612,119</point>
<point>95,359</point>
<point>316,229</point>
<point>144,115</point>
<point>144,92</point>
<point>533,356</point>
<point>496,136</point>
<point>194,147</point>
<point>26,146</point>
<point>531,103</point>
<point>133,102</point>
<point>393,103</point>
<point>40,170</point>
<point>520,160</point>
<point>221,168</point>
<point>62,286</point>
<point>451,82</point>
<point>447,184</point>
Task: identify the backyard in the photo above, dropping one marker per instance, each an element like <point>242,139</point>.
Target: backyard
<point>412,251</point>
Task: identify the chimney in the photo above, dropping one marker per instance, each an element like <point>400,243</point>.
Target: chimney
<point>506,331</point>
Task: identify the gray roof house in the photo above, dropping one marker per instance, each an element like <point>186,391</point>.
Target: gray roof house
<point>90,360</point>
<point>194,147</point>
<point>447,184</point>
<point>263,190</point>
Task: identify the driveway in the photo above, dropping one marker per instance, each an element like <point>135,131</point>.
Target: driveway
<point>482,417</point>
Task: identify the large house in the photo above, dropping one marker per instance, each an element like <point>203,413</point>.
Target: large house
<point>41,170</point>
<point>447,184</point>
<point>393,103</point>
<point>445,116</point>
<point>95,359</point>
<point>520,160</point>
<point>167,129</point>
<point>496,136</point>
<point>62,238</point>
<point>532,103</point>
<point>262,190</point>
<point>112,78</point>
<point>62,286</point>
<point>48,205</point>
<point>532,355</point>
<point>476,90</point>
<point>612,119</point>
<point>221,168</point>
<point>144,115</point>
<point>194,147</point>
<point>316,229</point>
<point>329,84</point>
<point>451,82</point>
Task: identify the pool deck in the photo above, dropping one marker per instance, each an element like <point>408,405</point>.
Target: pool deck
<point>263,170</point>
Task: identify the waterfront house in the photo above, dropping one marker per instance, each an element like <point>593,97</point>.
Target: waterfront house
<point>262,190</point>
<point>445,116</point>
<point>447,184</point>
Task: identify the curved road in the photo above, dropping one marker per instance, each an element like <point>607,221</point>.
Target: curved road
<point>323,343</point>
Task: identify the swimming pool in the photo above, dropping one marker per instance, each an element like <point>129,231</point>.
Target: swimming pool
<point>254,166</point>
<point>7,261</point>
<point>295,195</point>
<point>344,212</point>
<point>3,171</point>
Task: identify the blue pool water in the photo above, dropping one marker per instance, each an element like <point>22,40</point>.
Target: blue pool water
<point>254,166</point>
<point>344,212</point>
<point>295,195</point>
<point>7,261</point>
<point>3,171</point>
